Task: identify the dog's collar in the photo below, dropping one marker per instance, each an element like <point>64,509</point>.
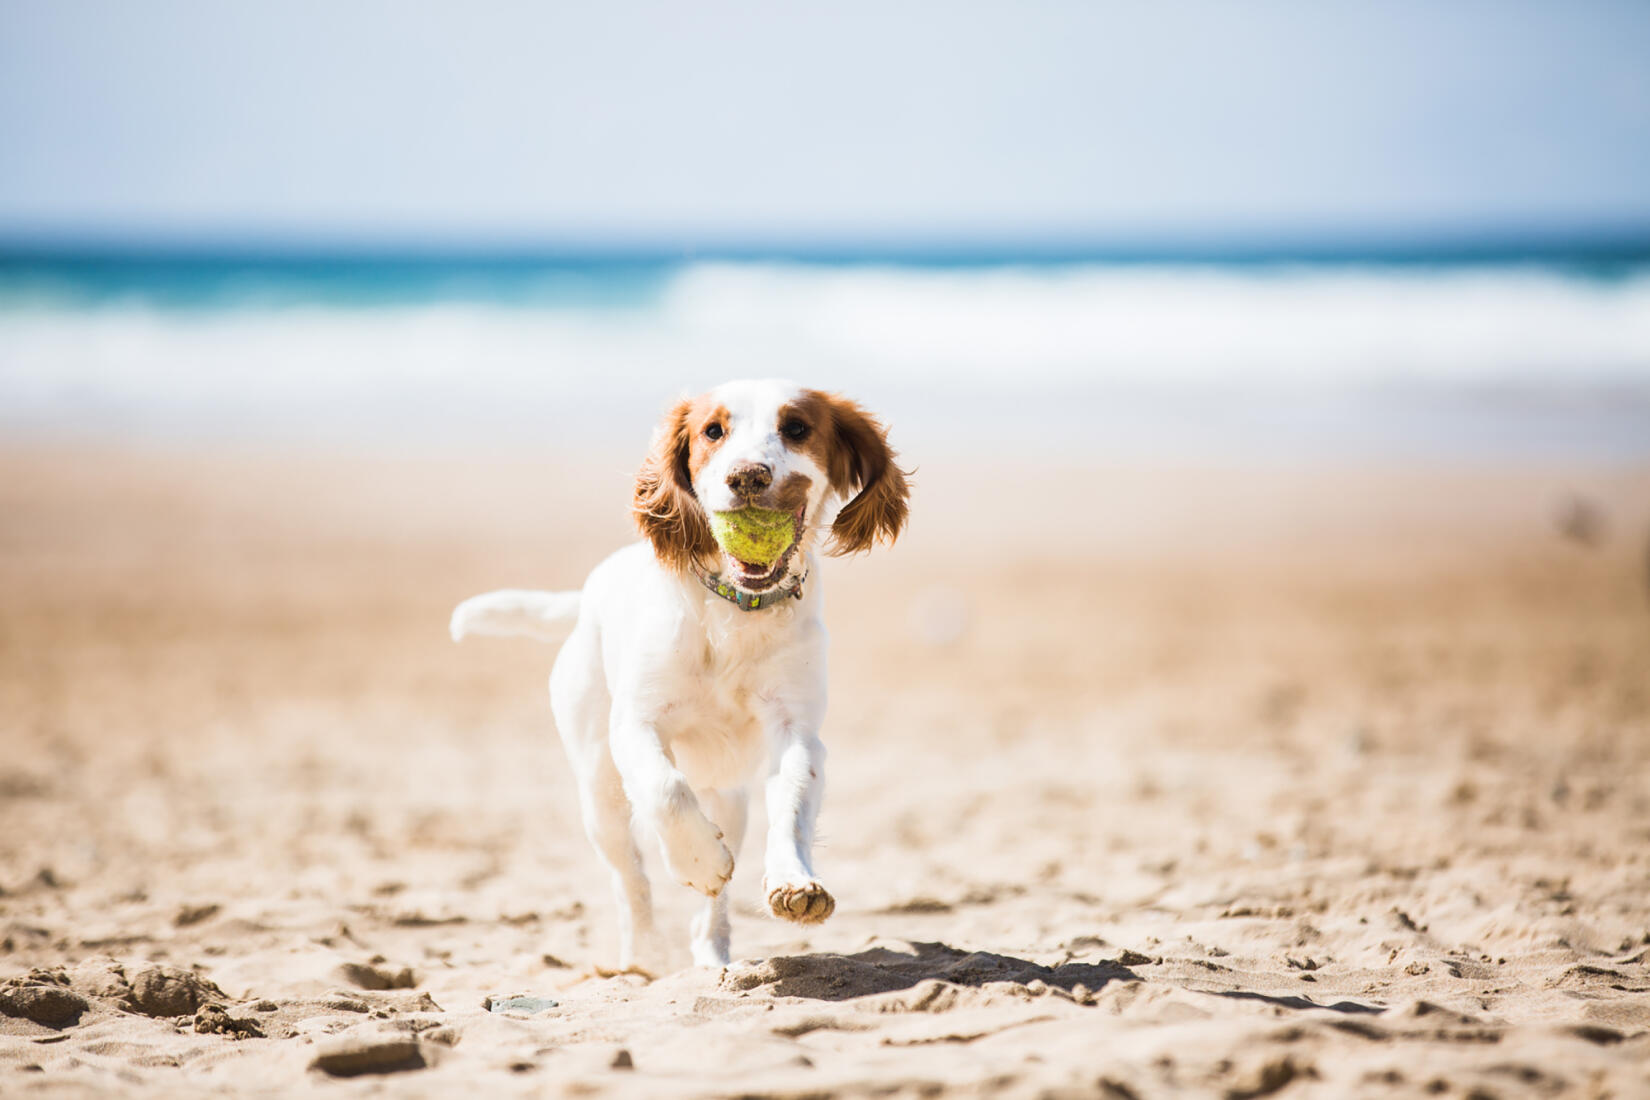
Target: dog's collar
<point>749,601</point>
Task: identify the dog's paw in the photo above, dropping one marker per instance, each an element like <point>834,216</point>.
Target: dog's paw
<point>801,902</point>
<point>694,853</point>
<point>710,953</point>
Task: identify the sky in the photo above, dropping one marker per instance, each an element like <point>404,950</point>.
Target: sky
<point>693,124</point>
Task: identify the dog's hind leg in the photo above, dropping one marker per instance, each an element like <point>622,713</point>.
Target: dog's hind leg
<point>581,704</point>
<point>606,813</point>
<point>710,929</point>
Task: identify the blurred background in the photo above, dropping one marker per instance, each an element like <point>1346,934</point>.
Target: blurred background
<point>1277,379</point>
<point>1404,229</point>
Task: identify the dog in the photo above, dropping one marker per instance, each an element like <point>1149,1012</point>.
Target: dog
<point>686,675</point>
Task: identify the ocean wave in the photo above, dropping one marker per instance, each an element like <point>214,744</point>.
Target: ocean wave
<point>1201,325</point>
<point>1003,333</point>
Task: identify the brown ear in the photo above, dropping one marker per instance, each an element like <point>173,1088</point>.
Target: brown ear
<point>861,459</point>
<point>666,510</point>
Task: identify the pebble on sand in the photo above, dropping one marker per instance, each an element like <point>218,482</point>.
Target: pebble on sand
<point>527,1006</point>
<point>354,1055</point>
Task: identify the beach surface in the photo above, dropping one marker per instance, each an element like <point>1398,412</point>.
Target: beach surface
<point>1224,780</point>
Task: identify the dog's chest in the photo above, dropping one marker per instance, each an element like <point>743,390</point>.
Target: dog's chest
<point>714,728</point>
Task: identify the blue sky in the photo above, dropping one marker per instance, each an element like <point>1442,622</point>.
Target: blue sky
<point>684,124</point>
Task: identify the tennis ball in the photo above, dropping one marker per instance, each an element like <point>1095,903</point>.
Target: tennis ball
<point>755,535</point>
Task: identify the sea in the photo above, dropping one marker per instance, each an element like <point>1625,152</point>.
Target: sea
<point>1422,357</point>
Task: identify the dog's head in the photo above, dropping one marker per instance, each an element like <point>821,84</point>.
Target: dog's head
<point>772,445</point>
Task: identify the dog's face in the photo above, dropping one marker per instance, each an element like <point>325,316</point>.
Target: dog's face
<point>773,445</point>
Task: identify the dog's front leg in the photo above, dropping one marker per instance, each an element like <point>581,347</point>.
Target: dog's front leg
<point>690,842</point>
<point>795,788</point>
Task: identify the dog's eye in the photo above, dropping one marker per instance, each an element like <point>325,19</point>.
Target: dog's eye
<point>713,431</point>
<point>794,429</point>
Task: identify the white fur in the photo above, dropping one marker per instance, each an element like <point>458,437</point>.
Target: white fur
<point>673,703</point>
<point>753,408</point>
<point>547,616</point>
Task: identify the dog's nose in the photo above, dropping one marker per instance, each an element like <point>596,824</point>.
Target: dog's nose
<point>749,478</point>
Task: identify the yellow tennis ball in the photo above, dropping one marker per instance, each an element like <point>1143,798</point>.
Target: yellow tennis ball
<point>756,535</point>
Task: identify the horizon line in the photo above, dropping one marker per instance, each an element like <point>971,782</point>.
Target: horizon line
<point>1586,247</point>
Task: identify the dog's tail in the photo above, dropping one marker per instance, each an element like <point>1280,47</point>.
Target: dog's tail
<point>547,616</point>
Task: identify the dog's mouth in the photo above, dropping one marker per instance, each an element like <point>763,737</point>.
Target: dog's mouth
<point>756,577</point>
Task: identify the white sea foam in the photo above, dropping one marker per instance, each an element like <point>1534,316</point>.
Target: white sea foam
<point>992,342</point>
<point>1187,324</point>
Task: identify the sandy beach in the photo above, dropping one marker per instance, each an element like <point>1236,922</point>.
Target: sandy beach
<point>1229,781</point>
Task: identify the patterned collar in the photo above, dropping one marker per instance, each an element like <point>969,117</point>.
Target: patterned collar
<point>749,601</point>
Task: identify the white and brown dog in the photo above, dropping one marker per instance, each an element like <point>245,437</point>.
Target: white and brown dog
<point>687,674</point>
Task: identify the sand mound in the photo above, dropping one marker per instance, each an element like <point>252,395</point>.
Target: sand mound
<point>42,997</point>
<point>168,991</point>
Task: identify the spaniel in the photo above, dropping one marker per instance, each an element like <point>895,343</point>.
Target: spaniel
<point>687,675</point>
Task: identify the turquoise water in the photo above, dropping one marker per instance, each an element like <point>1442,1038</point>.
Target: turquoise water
<point>1420,356</point>
<point>207,279</point>
<point>217,281</point>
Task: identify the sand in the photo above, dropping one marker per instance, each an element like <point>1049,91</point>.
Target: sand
<point>1229,782</point>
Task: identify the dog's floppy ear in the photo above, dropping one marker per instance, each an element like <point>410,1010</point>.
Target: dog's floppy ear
<point>861,459</point>
<point>666,510</point>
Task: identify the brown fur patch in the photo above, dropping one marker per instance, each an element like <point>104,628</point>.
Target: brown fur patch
<point>851,445</point>
<point>665,507</point>
<point>700,415</point>
<point>790,494</point>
